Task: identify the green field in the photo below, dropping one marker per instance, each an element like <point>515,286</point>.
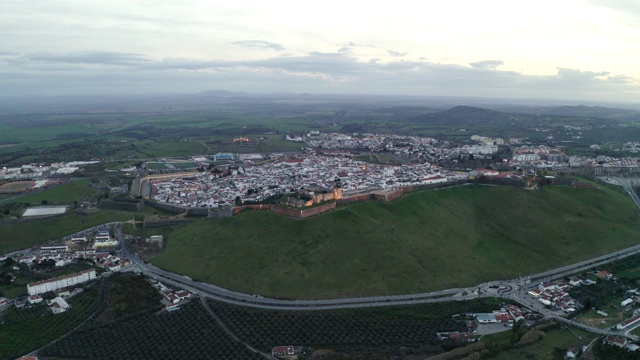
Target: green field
<point>424,242</point>
<point>545,348</point>
<point>63,194</point>
<point>20,326</point>
<point>16,236</point>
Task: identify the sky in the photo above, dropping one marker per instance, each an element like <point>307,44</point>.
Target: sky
<point>540,49</point>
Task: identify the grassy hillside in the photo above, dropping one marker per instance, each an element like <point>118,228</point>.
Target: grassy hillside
<point>423,242</point>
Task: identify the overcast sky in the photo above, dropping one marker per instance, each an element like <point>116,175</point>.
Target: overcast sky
<point>568,49</point>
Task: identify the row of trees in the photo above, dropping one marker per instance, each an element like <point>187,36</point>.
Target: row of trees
<point>186,333</point>
<point>384,328</point>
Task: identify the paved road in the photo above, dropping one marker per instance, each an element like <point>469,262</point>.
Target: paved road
<point>626,184</point>
<point>226,295</point>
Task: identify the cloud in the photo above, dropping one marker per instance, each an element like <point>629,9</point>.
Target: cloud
<point>487,64</point>
<point>396,53</point>
<point>95,58</point>
<point>324,72</point>
<point>578,75</point>
<point>260,44</point>
<point>619,79</point>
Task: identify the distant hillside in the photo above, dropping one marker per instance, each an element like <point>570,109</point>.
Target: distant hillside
<point>462,115</point>
<point>597,112</point>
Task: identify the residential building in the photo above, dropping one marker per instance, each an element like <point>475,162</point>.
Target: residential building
<point>44,286</point>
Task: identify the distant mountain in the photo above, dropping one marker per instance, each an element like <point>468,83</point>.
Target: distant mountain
<point>461,115</point>
<point>406,110</point>
<point>223,93</point>
<point>596,112</point>
<point>590,111</point>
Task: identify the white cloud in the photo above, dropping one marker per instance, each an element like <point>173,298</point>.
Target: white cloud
<point>373,47</point>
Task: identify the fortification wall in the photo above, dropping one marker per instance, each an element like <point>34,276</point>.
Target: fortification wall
<point>176,209</point>
<point>219,213</point>
<point>121,205</point>
<point>387,196</point>
<point>238,209</point>
<point>294,213</point>
<point>318,209</point>
<point>198,211</point>
<point>355,198</point>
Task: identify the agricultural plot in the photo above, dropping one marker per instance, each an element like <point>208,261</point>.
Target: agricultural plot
<point>128,294</point>
<point>189,332</point>
<point>20,326</point>
<point>554,344</point>
<point>387,329</point>
<point>63,194</point>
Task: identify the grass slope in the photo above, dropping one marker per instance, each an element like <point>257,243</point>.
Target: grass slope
<point>424,242</point>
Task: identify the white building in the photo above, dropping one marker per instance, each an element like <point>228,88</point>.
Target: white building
<point>54,249</point>
<point>58,305</point>
<point>103,236</point>
<point>44,286</point>
<point>34,299</point>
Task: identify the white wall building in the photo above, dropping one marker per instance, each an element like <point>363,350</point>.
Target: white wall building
<point>58,305</point>
<point>54,284</point>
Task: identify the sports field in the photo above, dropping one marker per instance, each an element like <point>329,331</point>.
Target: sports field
<point>425,241</point>
<point>16,187</point>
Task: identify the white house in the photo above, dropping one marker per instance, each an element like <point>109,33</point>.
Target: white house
<point>34,299</point>
<point>58,305</point>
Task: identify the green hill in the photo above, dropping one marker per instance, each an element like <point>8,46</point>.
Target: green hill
<point>423,242</point>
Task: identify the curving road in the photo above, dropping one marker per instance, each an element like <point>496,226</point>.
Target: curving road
<point>511,287</point>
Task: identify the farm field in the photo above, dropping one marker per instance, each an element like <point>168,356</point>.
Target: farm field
<point>127,317</point>
<point>423,242</point>
<point>63,194</point>
<point>545,349</point>
<point>20,325</point>
<point>410,329</point>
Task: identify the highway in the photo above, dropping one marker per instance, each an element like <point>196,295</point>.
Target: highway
<point>229,296</point>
